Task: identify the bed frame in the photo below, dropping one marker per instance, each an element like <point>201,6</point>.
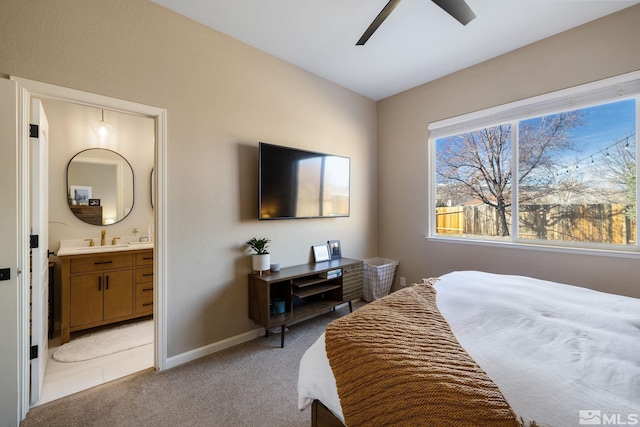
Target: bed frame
<point>321,416</point>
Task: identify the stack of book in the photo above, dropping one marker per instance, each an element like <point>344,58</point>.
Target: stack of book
<point>331,274</point>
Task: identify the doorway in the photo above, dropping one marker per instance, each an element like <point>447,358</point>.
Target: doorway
<point>36,90</point>
<point>116,167</point>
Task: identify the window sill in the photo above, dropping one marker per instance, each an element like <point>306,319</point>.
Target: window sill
<point>630,253</point>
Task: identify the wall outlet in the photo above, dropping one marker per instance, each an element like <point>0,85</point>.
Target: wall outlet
<point>403,282</point>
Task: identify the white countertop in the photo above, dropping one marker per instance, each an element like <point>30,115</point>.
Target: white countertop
<point>80,247</point>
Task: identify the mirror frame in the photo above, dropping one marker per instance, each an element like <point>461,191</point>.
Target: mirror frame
<point>133,192</point>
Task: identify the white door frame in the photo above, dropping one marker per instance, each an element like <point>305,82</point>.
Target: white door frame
<point>39,216</point>
<point>30,88</point>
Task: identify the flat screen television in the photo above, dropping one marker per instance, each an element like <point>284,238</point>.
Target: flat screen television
<point>295,183</point>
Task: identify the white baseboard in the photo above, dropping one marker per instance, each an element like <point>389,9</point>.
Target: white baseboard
<point>213,348</point>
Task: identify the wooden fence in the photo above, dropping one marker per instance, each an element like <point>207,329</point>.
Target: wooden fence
<point>595,223</point>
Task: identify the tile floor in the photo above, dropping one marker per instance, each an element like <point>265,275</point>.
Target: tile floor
<point>63,379</point>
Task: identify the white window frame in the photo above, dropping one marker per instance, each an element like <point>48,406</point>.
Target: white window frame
<point>602,91</point>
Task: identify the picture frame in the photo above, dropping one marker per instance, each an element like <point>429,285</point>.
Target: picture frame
<point>321,253</point>
<point>80,194</point>
<point>94,202</point>
<point>335,251</point>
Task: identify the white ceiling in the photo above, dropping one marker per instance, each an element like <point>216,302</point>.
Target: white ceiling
<point>418,42</point>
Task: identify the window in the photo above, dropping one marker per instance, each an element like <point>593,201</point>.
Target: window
<point>555,170</point>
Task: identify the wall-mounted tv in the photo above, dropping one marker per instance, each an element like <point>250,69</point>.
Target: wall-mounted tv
<point>295,183</point>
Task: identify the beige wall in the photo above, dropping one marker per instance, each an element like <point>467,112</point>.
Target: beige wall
<point>222,98</point>
<point>597,50</point>
<point>71,132</point>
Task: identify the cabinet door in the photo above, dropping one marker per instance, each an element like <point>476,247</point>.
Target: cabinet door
<point>352,282</point>
<point>86,299</point>
<point>118,294</point>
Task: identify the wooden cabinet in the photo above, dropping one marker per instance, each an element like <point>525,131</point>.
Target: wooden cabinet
<point>100,296</point>
<point>144,283</point>
<point>306,291</point>
<point>352,281</point>
<point>98,289</point>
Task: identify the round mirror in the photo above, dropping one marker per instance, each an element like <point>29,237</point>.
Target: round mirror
<point>100,186</point>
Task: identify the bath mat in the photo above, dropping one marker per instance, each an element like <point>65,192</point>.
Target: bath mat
<point>106,342</point>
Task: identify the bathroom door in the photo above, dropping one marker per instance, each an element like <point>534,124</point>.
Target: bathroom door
<point>39,155</point>
<point>10,398</point>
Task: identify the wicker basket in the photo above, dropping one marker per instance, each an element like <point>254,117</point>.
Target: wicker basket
<point>378,277</point>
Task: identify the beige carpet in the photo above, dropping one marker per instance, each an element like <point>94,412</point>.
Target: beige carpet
<point>252,384</point>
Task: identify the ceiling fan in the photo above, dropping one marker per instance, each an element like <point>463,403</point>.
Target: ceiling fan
<point>458,9</point>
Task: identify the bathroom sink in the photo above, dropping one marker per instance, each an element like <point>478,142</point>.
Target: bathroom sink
<point>75,250</point>
<point>102,248</point>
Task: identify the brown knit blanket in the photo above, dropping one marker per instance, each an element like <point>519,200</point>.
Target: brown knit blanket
<point>396,362</point>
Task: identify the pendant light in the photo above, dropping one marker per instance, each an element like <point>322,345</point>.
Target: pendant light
<point>103,130</point>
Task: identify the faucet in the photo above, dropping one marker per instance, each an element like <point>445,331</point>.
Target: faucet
<point>113,241</point>
<point>104,237</point>
<point>90,241</point>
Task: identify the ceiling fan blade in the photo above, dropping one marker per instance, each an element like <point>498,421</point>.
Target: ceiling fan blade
<point>378,21</point>
<point>459,9</point>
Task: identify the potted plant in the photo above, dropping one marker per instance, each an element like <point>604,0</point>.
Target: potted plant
<point>261,258</point>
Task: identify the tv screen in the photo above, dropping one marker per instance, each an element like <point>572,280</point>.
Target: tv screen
<point>295,183</point>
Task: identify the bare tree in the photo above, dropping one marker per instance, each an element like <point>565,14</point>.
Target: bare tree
<point>478,164</point>
<point>620,169</point>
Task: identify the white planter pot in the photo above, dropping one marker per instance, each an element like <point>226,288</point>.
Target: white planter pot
<point>261,262</point>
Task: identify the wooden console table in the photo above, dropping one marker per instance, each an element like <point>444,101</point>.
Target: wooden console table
<point>306,292</point>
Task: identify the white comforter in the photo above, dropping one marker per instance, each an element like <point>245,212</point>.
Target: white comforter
<point>554,350</point>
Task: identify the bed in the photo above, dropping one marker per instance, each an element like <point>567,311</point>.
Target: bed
<point>560,355</point>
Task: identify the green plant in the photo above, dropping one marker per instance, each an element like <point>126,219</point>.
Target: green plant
<point>259,245</point>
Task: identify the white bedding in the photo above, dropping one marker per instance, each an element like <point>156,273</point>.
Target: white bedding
<point>553,349</point>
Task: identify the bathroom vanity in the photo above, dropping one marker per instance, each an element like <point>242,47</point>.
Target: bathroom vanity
<point>103,285</point>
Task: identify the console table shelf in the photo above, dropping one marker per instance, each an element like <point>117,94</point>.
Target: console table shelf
<point>301,283</point>
<point>305,292</point>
